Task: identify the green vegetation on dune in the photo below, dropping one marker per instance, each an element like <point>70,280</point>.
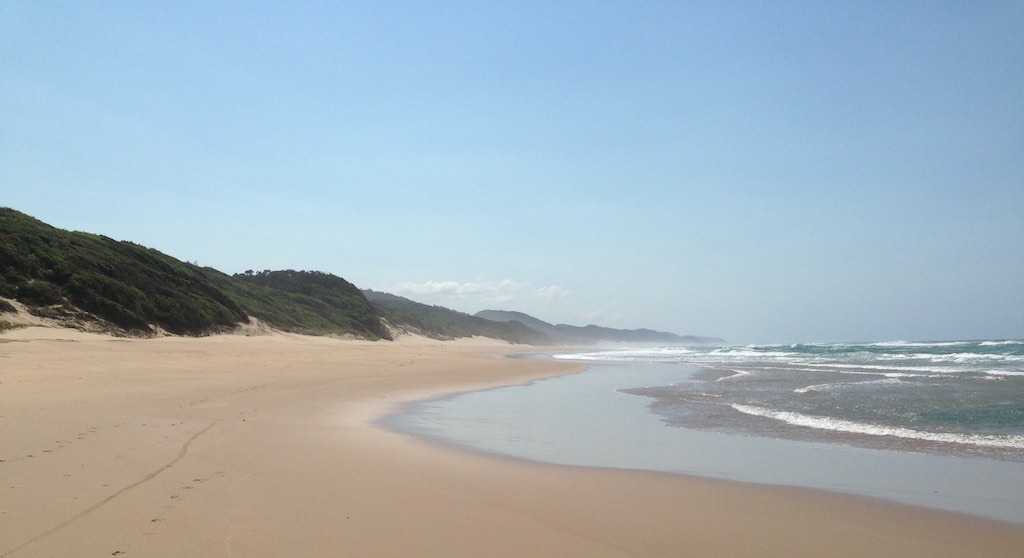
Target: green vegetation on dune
<point>85,276</point>
<point>79,277</point>
<point>304,302</point>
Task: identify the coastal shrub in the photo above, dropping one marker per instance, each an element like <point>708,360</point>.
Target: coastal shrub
<point>296,300</point>
<point>41,293</point>
<point>132,286</point>
<point>119,282</point>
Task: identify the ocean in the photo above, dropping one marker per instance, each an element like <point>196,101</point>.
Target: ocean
<point>958,397</point>
<point>938,424</point>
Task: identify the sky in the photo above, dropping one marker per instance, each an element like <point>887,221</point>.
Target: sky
<point>764,172</point>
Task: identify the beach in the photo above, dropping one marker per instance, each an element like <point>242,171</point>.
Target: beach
<point>235,445</point>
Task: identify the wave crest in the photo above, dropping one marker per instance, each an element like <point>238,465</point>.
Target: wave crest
<point>839,425</point>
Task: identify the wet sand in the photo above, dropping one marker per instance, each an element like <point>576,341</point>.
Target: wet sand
<point>266,446</point>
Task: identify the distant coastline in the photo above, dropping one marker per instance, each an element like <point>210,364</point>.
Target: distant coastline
<point>95,283</point>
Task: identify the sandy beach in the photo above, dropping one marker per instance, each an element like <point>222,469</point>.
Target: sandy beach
<point>265,446</point>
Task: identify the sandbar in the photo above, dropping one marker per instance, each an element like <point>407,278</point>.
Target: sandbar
<point>235,445</point>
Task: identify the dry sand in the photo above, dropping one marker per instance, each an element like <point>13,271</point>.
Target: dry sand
<point>263,446</point>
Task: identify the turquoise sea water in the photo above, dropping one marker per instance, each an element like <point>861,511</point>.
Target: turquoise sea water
<point>959,398</point>
<point>932,424</point>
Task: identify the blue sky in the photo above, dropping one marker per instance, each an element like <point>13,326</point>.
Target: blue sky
<point>758,171</point>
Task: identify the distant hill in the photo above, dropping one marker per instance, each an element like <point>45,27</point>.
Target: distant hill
<point>592,334</point>
<point>438,322</point>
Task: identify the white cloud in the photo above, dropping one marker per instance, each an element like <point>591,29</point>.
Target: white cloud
<point>551,292</point>
<point>454,288</point>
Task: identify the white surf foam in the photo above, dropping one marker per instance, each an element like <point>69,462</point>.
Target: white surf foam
<point>839,425</point>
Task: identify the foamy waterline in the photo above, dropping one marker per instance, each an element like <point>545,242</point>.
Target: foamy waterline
<point>840,425</point>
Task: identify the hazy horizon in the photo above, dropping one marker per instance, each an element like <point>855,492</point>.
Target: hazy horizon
<point>759,172</point>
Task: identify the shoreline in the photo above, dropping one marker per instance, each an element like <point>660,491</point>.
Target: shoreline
<point>266,446</point>
<point>569,420</point>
